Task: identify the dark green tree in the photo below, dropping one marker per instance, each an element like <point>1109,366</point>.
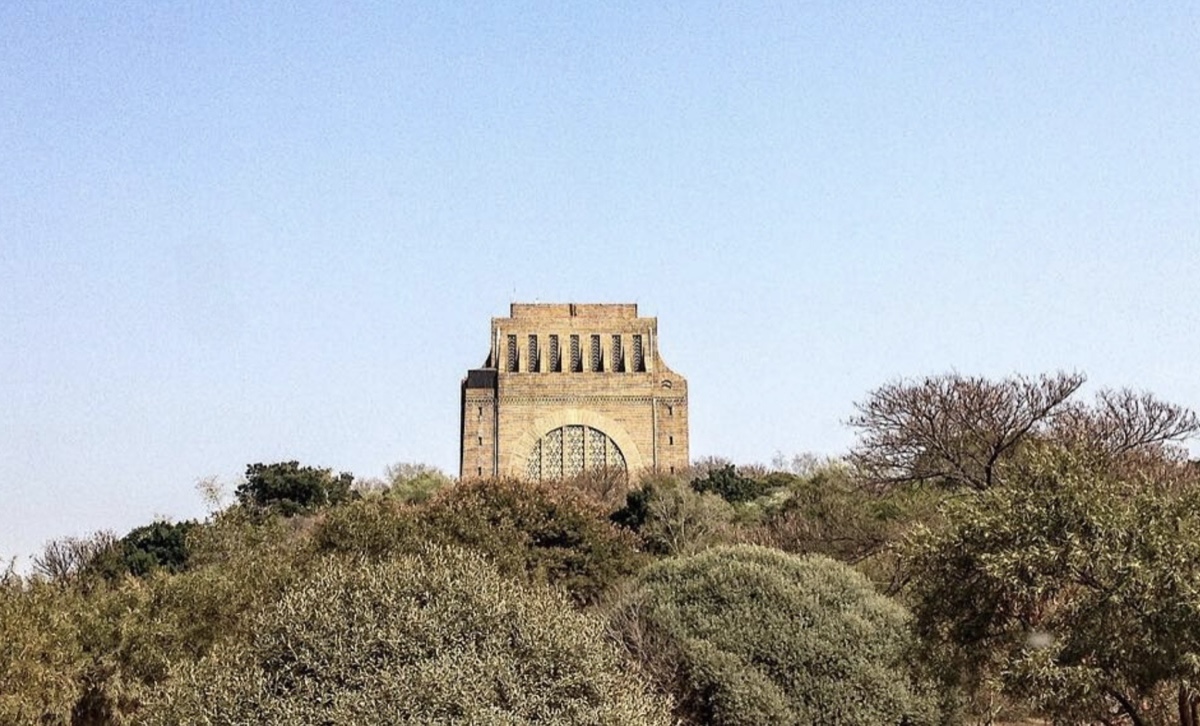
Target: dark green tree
<point>731,486</point>
<point>288,488</point>
<point>1073,588</point>
<point>159,545</point>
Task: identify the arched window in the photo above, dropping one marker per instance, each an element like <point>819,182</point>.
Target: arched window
<point>571,450</point>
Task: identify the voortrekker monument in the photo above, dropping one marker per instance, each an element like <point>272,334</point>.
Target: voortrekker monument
<point>572,388</point>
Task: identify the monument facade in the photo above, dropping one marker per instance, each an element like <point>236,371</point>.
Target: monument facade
<point>572,388</point>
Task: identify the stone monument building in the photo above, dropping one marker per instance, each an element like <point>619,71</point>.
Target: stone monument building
<point>571,388</point>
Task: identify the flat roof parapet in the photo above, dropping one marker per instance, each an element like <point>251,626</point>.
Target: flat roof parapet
<point>549,311</point>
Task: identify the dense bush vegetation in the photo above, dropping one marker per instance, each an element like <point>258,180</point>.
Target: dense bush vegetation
<point>1047,548</point>
<point>750,635</point>
<point>289,488</point>
<point>1068,588</point>
<point>731,486</point>
<point>542,532</point>
<point>87,649</point>
<point>435,637</point>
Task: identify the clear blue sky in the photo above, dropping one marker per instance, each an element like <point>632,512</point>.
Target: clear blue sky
<point>232,234</point>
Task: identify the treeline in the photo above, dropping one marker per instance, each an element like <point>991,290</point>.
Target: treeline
<point>989,551</point>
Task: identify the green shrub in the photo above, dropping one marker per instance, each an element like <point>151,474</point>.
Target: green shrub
<point>84,649</point>
<point>673,519</point>
<point>78,655</point>
<point>289,489</point>
<point>731,486</point>
<point>541,532</point>
<point>414,483</point>
<point>40,656</point>
<point>682,521</point>
<point>158,545</point>
<point>546,532</point>
<point>435,637</point>
<point>237,568</point>
<point>751,635</point>
<point>827,511</point>
<point>370,527</point>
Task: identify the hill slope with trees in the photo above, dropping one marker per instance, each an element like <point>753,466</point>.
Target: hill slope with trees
<point>988,551</point>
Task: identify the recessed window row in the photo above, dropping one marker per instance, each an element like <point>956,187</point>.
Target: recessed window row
<point>611,358</point>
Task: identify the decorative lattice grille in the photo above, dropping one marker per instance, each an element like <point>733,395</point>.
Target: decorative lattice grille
<point>596,457</point>
<point>533,469</point>
<point>534,363</point>
<point>618,362</point>
<point>616,460</point>
<point>639,356</point>
<point>568,451</point>
<point>552,455</point>
<point>572,450</point>
<point>512,354</point>
<point>555,361</point>
<point>576,358</point>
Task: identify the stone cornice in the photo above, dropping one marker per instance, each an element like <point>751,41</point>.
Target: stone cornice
<point>594,399</point>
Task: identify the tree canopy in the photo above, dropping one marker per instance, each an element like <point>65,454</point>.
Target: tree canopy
<point>750,635</point>
<point>1047,547</point>
<point>438,636</point>
<point>962,432</point>
<point>1075,587</point>
<point>289,488</point>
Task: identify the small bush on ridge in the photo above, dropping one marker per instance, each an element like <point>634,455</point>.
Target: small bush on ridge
<point>749,635</point>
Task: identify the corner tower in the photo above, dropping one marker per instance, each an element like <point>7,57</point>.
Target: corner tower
<point>572,388</point>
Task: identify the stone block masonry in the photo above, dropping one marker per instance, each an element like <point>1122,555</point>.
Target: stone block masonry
<point>569,388</point>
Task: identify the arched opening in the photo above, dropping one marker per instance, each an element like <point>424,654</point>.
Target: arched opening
<point>569,451</point>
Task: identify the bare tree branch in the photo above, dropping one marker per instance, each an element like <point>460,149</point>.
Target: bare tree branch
<point>953,429</point>
<point>1123,421</point>
<point>63,559</point>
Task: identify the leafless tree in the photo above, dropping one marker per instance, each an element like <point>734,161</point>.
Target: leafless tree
<point>962,431</point>
<point>63,559</point>
<point>1123,421</point>
<point>953,429</point>
<point>213,493</point>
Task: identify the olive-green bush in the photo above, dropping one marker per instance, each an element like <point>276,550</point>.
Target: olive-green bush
<point>86,649</point>
<point>672,518</point>
<point>542,532</point>
<point>750,635</point>
<point>545,532</point>
<point>40,657</point>
<point>434,637</point>
<point>375,527</point>
<point>730,485</point>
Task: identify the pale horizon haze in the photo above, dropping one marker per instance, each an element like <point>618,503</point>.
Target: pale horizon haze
<point>253,232</point>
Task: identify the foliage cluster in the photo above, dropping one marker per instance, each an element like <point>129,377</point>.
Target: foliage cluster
<point>289,489</point>
<point>541,532</point>
<point>1063,574</point>
<point>1075,589</point>
<point>1046,548</point>
<point>407,482</point>
<point>87,649</point>
<point>751,635</point>
<point>434,637</point>
<point>731,486</point>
